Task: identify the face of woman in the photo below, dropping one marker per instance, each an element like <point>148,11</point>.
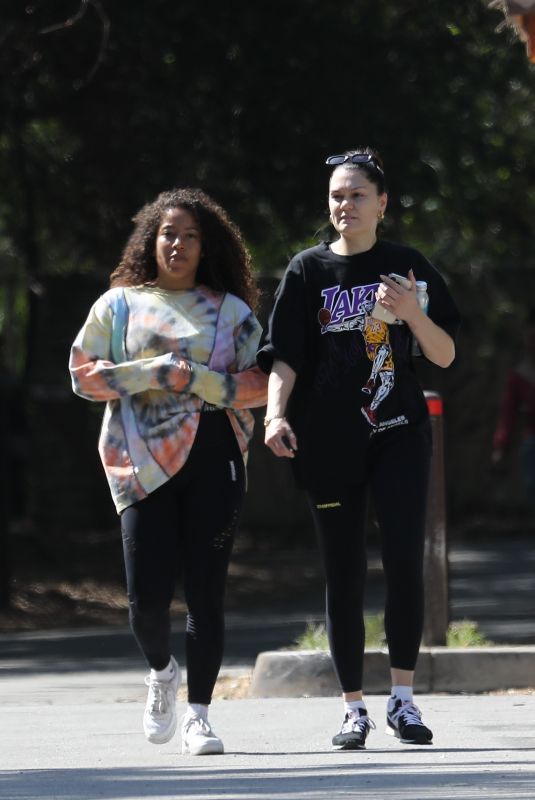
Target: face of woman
<point>178,249</point>
<point>354,203</point>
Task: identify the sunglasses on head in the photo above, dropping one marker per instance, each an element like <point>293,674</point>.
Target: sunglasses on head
<point>356,158</point>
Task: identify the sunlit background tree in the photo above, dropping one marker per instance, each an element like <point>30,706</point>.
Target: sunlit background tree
<point>105,103</point>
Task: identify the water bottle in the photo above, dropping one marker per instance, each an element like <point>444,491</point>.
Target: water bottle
<point>423,301</point>
<point>422,296</point>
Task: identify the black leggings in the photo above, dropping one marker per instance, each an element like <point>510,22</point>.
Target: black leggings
<point>397,468</point>
<point>186,527</point>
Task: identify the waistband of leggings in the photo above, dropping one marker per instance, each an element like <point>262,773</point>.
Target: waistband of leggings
<point>209,407</point>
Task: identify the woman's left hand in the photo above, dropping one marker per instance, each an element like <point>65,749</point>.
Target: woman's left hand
<point>400,301</point>
<point>436,345</point>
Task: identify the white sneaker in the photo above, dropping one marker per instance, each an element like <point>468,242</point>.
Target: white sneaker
<point>159,719</point>
<point>198,738</point>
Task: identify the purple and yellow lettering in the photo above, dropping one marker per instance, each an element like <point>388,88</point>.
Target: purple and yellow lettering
<point>329,295</point>
<point>342,308</point>
<point>363,299</point>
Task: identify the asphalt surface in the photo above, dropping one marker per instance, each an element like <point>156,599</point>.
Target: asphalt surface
<point>79,736</point>
<point>492,583</point>
<point>72,704</point>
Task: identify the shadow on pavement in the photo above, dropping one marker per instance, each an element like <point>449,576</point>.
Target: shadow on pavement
<point>209,779</point>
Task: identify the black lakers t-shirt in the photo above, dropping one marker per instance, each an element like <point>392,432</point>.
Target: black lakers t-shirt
<point>355,377</point>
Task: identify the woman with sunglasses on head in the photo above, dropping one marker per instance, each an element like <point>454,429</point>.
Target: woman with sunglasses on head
<point>171,349</point>
<point>344,404</point>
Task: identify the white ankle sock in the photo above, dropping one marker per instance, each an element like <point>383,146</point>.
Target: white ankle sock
<point>198,709</point>
<point>403,693</point>
<point>165,674</point>
<point>352,707</point>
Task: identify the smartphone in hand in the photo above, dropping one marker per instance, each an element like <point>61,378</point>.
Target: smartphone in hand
<point>405,282</point>
<point>380,312</point>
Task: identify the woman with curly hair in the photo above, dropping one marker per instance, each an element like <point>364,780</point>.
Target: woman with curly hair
<point>171,350</point>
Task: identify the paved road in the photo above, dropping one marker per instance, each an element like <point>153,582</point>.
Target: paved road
<point>79,736</point>
<point>72,704</point>
<point>492,583</point>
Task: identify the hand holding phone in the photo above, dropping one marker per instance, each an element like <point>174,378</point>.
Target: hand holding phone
<point>405,282</point>
<point>379,311</point>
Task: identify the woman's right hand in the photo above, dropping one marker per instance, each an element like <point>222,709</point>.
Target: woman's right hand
<point>180,376</point>
<point>280,438</point>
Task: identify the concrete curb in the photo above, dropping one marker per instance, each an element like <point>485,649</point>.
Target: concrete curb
<point>310,673</point>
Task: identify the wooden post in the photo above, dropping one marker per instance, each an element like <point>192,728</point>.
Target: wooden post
<point>435,553</point>
<point>5,573</point>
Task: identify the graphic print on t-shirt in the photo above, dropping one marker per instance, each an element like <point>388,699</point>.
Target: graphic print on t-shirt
<point>349,310</point>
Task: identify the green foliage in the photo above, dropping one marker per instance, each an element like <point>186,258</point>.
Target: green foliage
<point>375,630</point>
<point>246,100</point>
<point>465,634</point>
<point>248,105</point>
<point>460,634</point>
<point>314,636</point>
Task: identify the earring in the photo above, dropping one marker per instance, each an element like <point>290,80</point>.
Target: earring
<point>381,216</point>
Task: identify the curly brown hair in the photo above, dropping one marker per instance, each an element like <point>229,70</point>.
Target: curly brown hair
<point>225,263</point>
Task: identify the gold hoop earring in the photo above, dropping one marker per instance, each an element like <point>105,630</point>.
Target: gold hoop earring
<point>380,215</point>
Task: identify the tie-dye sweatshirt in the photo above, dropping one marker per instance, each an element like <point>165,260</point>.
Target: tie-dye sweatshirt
<point>178,350</point>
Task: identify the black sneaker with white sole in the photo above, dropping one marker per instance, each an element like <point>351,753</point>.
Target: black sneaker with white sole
<point>353,732</point>
<point>404,720</point>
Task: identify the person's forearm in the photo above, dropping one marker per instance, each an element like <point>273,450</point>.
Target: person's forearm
<point>100,380</point>
<point>435,343</point>
<point>245,389</point>
<point>280,386</point>
<point>279,435</point>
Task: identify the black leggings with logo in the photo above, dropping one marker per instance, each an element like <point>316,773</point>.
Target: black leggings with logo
<point>186,529</point>
<point>397,469</point>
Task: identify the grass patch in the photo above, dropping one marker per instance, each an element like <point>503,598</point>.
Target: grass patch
<point>465,634</point>
<point>314,637</point>
<point>460,634</point>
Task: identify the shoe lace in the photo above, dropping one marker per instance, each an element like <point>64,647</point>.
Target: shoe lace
<point>363,723</point>
<point>198,723</point>
<point>409,714</point>
<point>159,699</point>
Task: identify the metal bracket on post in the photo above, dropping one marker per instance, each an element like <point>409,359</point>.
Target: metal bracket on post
<point>435,553</point>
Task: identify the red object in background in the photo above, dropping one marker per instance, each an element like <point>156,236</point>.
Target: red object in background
<point>434,404</point>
